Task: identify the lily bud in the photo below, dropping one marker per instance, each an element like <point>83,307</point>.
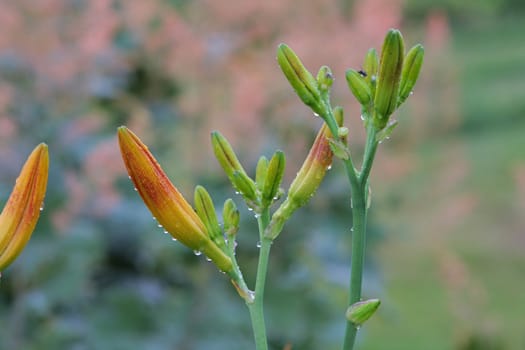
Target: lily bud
<point>410,72</point>
<point>361,311</point>
<point>307,181</point>
<point>325,79</point>
<point>230,217</point>
<point>387,90</point>
<point>274,177</point>
<point>371,66</point>
<point>206,211</point>
<point>304,84</point>
<point>233,168</point>
<point>165,202</point>
<point>260,172</point>
<point>359,87</point>
<point>21,212</point>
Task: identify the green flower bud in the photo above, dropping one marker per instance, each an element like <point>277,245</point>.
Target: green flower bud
<point>206,212</point>
<point>359,87</point>
<point>246,188</point>
<point>361,311</point>
<point>260,172</point>
<point>410,72</point>
<point>371,66</point>
<point>304,84</point>
<point>325,79</point>
<point>387,90</point>
<point>233,168</point>
<point>273,178</point>
<point>230,217</point>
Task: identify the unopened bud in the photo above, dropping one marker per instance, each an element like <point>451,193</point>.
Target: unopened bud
<point>206,212</point>
<point>371,66</point>
<point>387,90</point>
<point>304,84</point>
<point>233,168</point>
<point>410,73</point>
<point>359,87</point>
<point>230,217</point>
<point>361,311</point>
<point>260,172</point>
<point>325,79</point>
<point>274,177</point>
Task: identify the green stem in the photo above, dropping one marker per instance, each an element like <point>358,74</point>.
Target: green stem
<point>256,307</point>
<point>359,219</point>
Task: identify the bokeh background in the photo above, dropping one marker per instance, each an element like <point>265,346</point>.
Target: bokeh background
<point>446,247</point>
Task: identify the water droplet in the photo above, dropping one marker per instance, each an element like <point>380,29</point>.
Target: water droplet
<point>166,232</point>
<point>42,207</point>
<point>197,252</point>
<point>259,244</point>
<point>357,327</point>
<point>159,225</point>
<point>362,117</point>
<point>250,209</point>
<point>315,114</point>
<point>154,218</point>
<point>352,229</point>
<point>257,215</point>
<point>208,259</point>
<point>173,239</point>
<point>237,192</point>
<point>329,167</point>
<point>136,190</point>
<point>129,177</point>
<point>411,93</point>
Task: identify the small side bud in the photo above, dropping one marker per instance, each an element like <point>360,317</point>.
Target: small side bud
<point>325,79</point>
<point>260,172</point>
<point>410,72</point>
<point>339,149</point>
<point>245,186</point>
<point>233,168</point>
<point>304,84</point>
<point>371,65</point>
<point>273,178</point>
<point>230,217</point>
<point>361,311</point>
<point>359,87</point>
<point>206,212</point>
<point>387,90</point>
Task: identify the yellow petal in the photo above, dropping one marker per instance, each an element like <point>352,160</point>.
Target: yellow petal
<point>20,214</point>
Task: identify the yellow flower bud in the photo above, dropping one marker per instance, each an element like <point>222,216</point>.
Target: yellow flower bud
<point>21,212</point>
<point>165,202</point>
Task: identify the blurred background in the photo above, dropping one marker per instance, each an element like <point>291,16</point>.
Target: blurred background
<point>446,236</point>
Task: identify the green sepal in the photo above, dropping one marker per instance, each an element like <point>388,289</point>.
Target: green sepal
<point>339,149</point>
<point>246,188</point>
<point>303,82</point>
<point>359,87</point>
<point>390,66</point>
<point>206,212</point>
<point>386,131</point>
<point>410,73</point>
<point>274,177</point>
<point>361,311</point>
<point>230,217</point>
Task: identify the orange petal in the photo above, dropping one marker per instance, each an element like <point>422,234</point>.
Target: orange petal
<point>20,214</point>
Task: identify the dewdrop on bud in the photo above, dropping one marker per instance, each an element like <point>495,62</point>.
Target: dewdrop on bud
<point>325,79</point>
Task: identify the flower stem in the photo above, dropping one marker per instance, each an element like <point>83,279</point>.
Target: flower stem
<point>256,307</point>
<point>359,217</point>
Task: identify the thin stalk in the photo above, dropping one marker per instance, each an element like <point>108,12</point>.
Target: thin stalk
<point>256,307</point>
<point>359,220</point>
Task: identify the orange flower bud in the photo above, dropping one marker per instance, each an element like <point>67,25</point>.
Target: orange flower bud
<point>165,202</point>
<point>20,214</point>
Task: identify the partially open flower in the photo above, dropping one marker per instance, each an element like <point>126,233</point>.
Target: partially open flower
<point>20,214</point>
<point>165,202</point>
